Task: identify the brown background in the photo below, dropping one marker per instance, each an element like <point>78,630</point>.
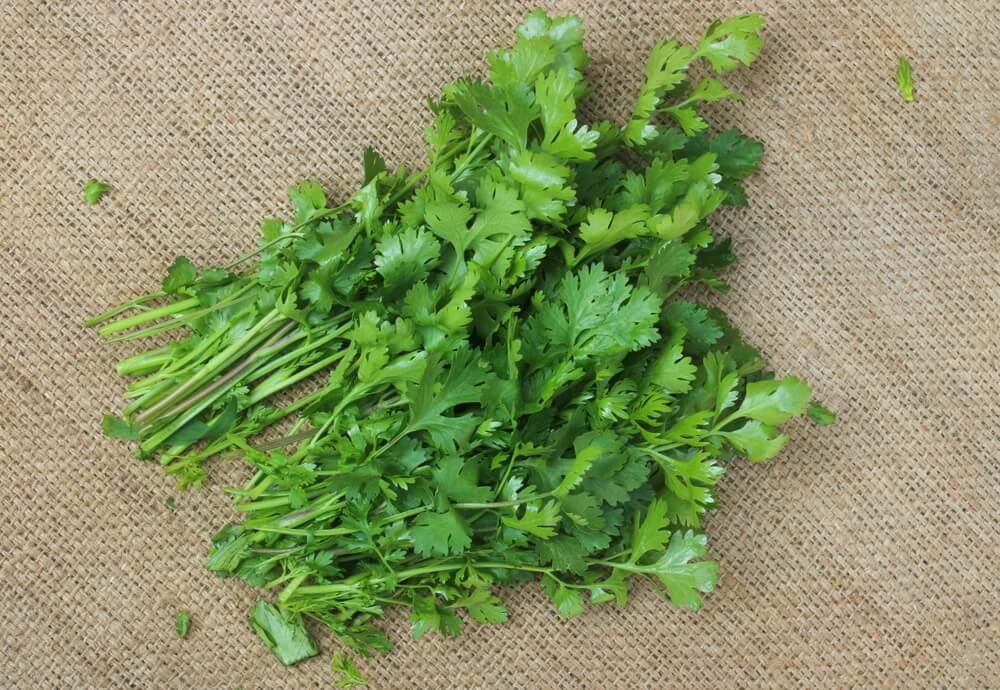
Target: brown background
<point>866,556</point>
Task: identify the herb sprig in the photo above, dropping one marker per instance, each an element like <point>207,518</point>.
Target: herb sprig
<point>507,385</point>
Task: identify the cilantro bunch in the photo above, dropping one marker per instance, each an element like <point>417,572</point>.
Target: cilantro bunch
<point>505,383</point>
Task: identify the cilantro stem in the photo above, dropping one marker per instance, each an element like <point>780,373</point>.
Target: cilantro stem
<point>669,293</point>
<point>501,504</point>
<point>145,361</point>
<point>125,306</point>
<point>413,179</point>
<point>147,316</point>
<point>262,392</point>
<point>184,320</point>
<point>230,376</point>
<point>263,248</point>
<point>220,360</point>
<point>506,474</point>
<point>291,234</point>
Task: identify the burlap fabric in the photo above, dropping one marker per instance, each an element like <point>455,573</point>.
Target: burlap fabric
<point>866,556</point>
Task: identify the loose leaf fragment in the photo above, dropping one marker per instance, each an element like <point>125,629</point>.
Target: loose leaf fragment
<point>283,632</point>
<point>904,79</point>
<point>183,624</point>
<point>820,414</point>
<point>94,190</point>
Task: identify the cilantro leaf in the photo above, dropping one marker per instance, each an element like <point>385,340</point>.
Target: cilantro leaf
<point>373,164</point>
<point>757,440</point>
<point>665,70</point>
<point>462,383</point>
<point>651,534</point>
<point>440,534</point>
<point>406,258</point>
<point>603,229</point>
<point>684,579</point>
<point>701,331</point>
<point>506,113</point>
<point>775,402</point>
<point>458,479</point>
<point>568,601</point>
<point>730,43</point>
<point>484,607</point>
<point>180,275</point>
<point>537,520</point>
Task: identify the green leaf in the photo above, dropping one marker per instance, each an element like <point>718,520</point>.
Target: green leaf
<point>223,423</point>
<point>730,43</point>
<point>506,113</point>
<point>440,534</point>
<point>523,63</point>
<point>230,546</point>
<point>484,607</point>
<point>373,164</point>
<point>544,184</point>
<point>424,616</point>
<point>904,79</point>
<point>595,314</point>
<point>563,137</point>
<point>684,579</point>
<point>585,457</point>
<point>701,331</point>
<point>458,480</point>
<point>736,156</point>
<point>669,261</point>
<point>439,392</point>
<point>307,198</point>
<point>689,120</point>
<point>181,274</point>
<point>665,70</point>
<point>756,440</point>
<point>566,34</point>
<point>326,243</point>
<point>602,229</point>
<point>820,414</point>
<point>116,427</point>
<point>775,402</point>
<point>710,90</point>
<point>283,632</point>
<point>539,521</point>
<point>94,190</point>
<point>568,601</point>
<point>405,258</point>
<point>192,432</point>
<point>651,534</point>
<point>564,553</point>
<point>183,624</point>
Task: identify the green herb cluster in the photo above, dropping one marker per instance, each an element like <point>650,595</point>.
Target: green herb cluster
<point>506,385</point>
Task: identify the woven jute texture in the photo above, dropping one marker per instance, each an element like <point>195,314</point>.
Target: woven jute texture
<point>866,556</point>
